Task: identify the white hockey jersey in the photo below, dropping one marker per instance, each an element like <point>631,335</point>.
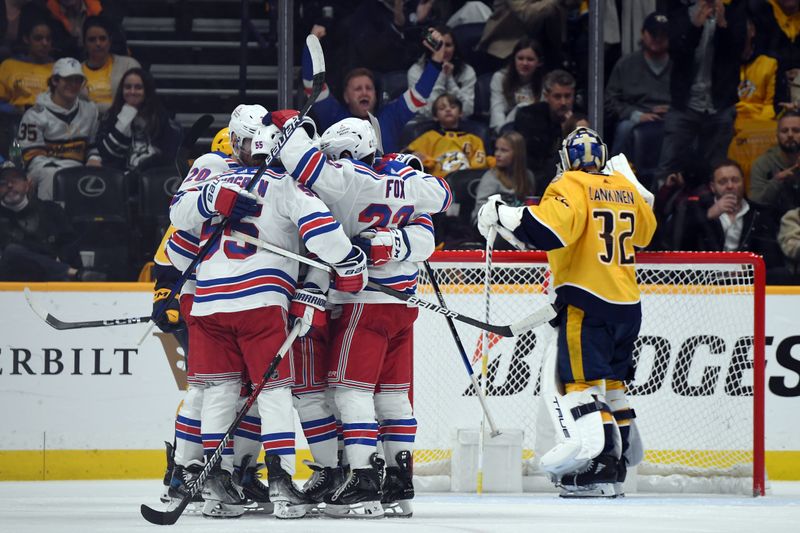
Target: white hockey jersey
<point>183,245</point>
<point>361,198</point>
<point>235,276</point>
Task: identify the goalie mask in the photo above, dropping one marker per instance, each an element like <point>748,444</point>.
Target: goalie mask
<point>583,149</point>
<point>352,136</point>
<point>245,121</point>
<point>222,142</point>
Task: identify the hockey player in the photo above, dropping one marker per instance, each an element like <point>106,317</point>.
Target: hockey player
<point>240,307</point>
<point>59,131</point>
<point>590,222</point>
<point>371,350</point>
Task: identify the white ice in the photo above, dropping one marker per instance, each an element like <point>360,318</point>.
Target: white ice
<point>113,506</point>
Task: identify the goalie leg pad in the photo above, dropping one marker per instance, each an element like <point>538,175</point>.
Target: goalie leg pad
<point>319,427</point>
<point>580,433</point>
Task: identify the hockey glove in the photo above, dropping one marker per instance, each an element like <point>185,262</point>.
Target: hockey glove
<point>283,116</point>
<point>308,307</point>
<point>170,320</point>
<point>382,245</point>
<point>350,274</point>
<point>487,214</point>
<point>226,199</point>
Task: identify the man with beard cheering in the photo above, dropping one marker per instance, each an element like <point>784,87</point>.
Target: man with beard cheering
<point>775,176</point>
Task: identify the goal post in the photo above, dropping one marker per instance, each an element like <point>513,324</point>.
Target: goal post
<point>699,384</point>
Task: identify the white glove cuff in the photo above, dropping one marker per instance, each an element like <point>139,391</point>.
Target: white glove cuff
<point>509,217</point>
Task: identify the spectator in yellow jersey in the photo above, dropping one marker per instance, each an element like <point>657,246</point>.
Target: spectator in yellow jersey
<point>447,148</point>
<point>103,70</point>
<point>509,178</point>
<point>591,220</point>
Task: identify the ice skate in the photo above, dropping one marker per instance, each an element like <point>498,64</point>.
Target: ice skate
<point>256,493</point>
<point>288,500</point>
<point>222,498</point>
<point>597,481</point>
<point>323,481</point>
<point>398,488</point>
<point>182,478</point>
<point>168,474</point>
<point>360,495</point>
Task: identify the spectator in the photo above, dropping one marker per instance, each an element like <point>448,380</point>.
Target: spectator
<point>36,238</point>
<point>706,43</point>
<point>360,100</point>
<point>541,125</point>
<point>638,89</point>
<point>777,25</point>
<point>103,70</point>
<point>754,126</point>
<point>59,131</point>
<point>789,241</point>
<point>509,177</point>
<point>22,78</point>
<point>136,133</point>
<point>514,20</point>
<point>446,149</point>
<point>775,177</point>
<point>516,85</point>
<point>725,221</point>
<point>456,78</point>
<point>70,15</point>
<point>574,121</point>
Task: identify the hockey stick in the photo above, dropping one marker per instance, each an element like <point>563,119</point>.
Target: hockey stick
<point>462,351</point>
<point>487,284</point>
<point>167,518</point>
<point>539,317</point>
<point>318,67</point>
<point>53,322</point>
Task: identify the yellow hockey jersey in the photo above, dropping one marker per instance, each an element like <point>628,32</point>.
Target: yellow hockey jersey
<point>590,224</point>
<point>443,152</point>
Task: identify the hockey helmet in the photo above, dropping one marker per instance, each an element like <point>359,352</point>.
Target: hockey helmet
<point>583,149</point>
<point>407,159</point>
<point>265,138</point>
<point>352,135</point>
<point>245,121</point>
<point>222,142</point>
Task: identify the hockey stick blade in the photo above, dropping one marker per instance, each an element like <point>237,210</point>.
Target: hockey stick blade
<point>55,323</point>
<point>526,324</point>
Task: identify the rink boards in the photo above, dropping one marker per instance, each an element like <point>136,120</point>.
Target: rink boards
<point>92,403</point>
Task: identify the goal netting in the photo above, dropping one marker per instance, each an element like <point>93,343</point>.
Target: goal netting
<point>698,390</point>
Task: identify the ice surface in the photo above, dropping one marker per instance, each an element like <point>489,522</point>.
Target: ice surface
<point>113,506</point>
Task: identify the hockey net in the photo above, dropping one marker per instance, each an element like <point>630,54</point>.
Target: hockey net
<point>698,390</point>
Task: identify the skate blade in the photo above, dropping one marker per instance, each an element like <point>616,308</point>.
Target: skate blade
<point>365,510</point>
<point>288,511</point>
<point>259,507</point>
<point>597,490</point>
<point>398,509</point>
<point>213,509</point>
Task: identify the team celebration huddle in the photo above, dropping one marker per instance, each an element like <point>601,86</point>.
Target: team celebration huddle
<point>292,264</point>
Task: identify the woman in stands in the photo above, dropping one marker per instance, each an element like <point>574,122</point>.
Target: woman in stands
<point>509,178</point>
<point>456,78</point>
<point>136,132</point>
<point>103,70</point>
<point>517,84</point>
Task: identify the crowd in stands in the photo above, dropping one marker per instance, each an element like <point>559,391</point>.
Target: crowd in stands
<point>703,97</point>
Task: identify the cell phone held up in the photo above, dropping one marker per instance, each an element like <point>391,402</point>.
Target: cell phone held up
<point>433,41</point>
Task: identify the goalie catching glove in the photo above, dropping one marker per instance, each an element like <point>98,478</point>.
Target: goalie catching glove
<point>350,274</point>
<point>382,245</point>
<point>226,199</point>
<point>308,307</point>
<point>169,321</point>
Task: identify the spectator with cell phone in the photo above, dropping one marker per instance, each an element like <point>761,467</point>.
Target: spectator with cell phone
<point>775,175</point>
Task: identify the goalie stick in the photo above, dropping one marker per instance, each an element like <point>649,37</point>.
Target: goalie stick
<point>54,322</point>
<point>539,317</point>
<point>167,518</point>
<point>318,81</point>
<point>460,345</point>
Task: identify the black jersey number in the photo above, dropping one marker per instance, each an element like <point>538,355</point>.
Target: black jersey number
<point>616,229</point>
<point>27,131</point>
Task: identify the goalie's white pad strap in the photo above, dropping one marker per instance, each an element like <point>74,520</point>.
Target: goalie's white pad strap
<point>579,431</point>
<point>619,163</point>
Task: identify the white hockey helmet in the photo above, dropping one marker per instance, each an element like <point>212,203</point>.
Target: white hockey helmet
<point>245,121</point>
<point>265,138</point>
<point>353,135</point>
<point>583,149</point>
